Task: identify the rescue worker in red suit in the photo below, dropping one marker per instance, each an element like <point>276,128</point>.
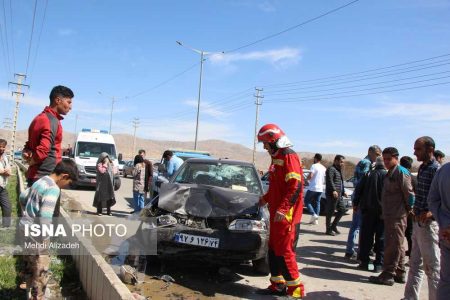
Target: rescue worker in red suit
<point>284,199</point>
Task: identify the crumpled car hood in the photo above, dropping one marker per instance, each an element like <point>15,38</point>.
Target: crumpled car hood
<point>206,201</point>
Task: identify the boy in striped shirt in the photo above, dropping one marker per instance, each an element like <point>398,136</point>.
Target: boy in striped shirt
<point>39,201</point>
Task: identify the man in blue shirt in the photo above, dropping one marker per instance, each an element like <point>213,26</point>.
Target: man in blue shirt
<point>172,162</point>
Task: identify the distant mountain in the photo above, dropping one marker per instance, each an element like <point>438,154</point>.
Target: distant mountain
<point>155,148</point>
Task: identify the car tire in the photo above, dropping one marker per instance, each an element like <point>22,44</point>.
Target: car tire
<point>124,175</point>
<point>117,184</point>
<point>261,266</point>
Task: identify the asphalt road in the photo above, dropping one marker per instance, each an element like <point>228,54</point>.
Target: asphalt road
<point>325,272</point>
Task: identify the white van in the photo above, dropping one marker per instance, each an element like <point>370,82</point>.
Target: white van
<point>90,143</point>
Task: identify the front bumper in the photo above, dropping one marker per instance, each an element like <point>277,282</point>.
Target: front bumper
<point>233,246</point>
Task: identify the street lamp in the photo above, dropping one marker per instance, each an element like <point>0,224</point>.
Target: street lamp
<point>113,99</point>
<point>202,54</point>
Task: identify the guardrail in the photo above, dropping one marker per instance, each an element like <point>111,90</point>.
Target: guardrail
<point>98,279</point>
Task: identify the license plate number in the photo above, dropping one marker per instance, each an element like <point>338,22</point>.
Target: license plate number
<point>196,240</point>
<point>92,180</point>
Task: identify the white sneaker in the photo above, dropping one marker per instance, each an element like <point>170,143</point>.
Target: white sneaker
<point>313,219</point>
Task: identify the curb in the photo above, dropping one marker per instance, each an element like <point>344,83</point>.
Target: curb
<point>97,277</point>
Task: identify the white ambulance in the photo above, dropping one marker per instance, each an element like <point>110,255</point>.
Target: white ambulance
<point>90,143</point>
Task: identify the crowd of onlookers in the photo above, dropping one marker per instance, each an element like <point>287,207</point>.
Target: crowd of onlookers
<point>391,203</point>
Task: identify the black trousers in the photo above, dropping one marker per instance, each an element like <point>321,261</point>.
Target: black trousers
<point>331,206</point>
<point>5,205</point>
<point>372,230</point>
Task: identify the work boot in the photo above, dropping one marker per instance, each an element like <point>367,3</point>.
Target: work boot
<point>278,289</point>
<point>383,279</point>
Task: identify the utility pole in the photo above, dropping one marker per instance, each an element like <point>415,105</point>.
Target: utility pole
<point>18,94</point>
<point>258,103</point>
<point>113,99</point>
<point>7,125</point>
<point>135,125</point>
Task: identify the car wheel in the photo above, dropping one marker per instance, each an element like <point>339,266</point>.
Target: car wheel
<point>261,266</point>
<point>124,174</point>
<point>117,184</point>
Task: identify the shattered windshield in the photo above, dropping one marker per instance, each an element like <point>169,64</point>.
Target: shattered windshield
<point>235,177</point>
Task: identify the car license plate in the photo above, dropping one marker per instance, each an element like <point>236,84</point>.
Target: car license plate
<point>196,240</point>
<point>93,180</point>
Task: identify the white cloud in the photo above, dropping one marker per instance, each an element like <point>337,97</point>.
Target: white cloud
<point>282,57</point>
<point>417,112</point>
<point>266,6</point>
<point>185,130</point>
<point>66,32</point>
<point>27,99</point>
<point>206,108</point>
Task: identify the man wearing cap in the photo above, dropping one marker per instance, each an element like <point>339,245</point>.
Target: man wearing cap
<point>284,198</point>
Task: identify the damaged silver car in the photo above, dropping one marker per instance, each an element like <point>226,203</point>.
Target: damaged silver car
<point>209,211</point>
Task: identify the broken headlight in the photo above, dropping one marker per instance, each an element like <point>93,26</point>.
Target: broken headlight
<point>247,225</point>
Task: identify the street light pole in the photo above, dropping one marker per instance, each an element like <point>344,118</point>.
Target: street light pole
<point>199,97</point>
<point>202,55</point>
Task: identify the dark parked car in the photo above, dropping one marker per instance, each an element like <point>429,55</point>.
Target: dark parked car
<point>127,169</point>
<point>209,211</point>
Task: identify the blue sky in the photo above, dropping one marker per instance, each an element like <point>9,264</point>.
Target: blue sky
<point>126,48</point>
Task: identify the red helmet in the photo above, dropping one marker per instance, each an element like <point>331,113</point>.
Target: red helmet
<point>270,133</point>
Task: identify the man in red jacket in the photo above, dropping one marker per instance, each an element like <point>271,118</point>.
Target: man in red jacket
<point>284,199</point>
<point>42,151</point>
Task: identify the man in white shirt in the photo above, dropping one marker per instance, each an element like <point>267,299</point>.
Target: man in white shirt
<point>5,172</point>
<point>315,188</point>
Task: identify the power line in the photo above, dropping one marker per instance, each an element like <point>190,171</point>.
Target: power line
<point>365,71</point>
<point>5,55</point>
<point>245,46</point>
<point>6,35</point>
<point>31,36</point>
<point>369,89</point>
<point>287,100</point>
<point>292,27</point>
<point>163,82</point>
<point>12,33</point>
<point>39,40</point>
<point>287,92</point>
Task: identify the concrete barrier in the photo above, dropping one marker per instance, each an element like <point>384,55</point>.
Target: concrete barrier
<point>98,279</point>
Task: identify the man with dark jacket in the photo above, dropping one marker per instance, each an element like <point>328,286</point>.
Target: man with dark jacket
<point>42,151</point>
<point>148,174</point>
<point>397,200</point>
<point>367,199</point>
<point>334,192</point>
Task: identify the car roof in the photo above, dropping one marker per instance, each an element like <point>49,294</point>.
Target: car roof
<point>218,160</point>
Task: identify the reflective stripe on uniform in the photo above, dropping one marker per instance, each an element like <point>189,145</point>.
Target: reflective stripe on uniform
<point>278,162</point>
<point>289,214</point>
<point>293,175</point>
<point>277,279</point>
<point>294,282</point>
